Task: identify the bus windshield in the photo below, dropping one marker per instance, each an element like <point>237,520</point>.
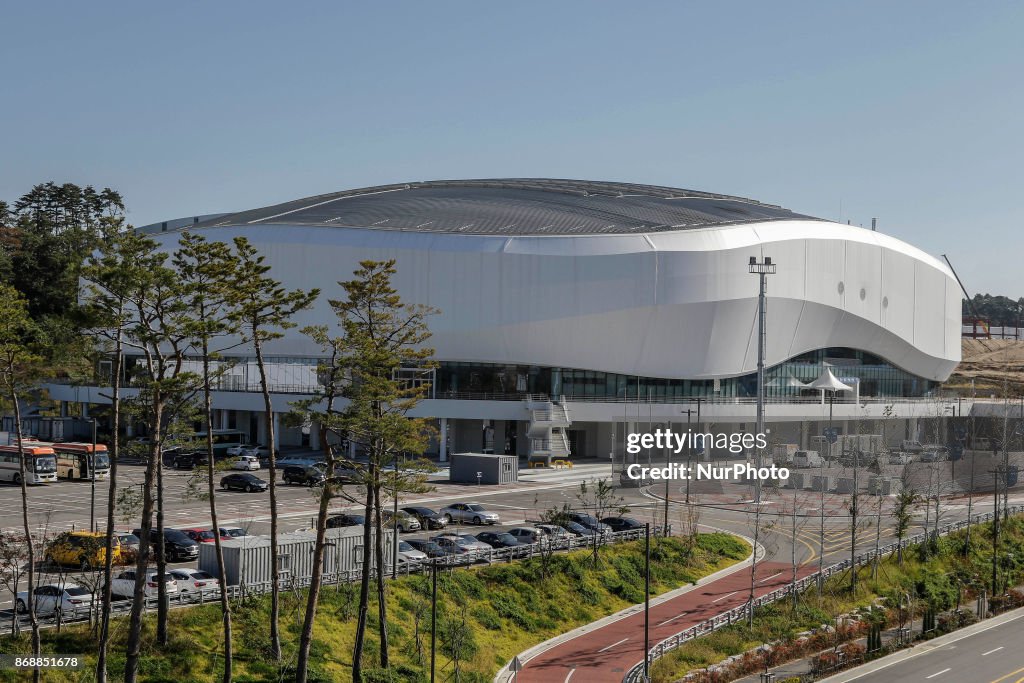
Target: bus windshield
<point>101,461</point>
<point>44,463</point>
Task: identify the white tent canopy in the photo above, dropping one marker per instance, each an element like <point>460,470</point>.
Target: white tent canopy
<point>829,382</point>
<point>790,382</point>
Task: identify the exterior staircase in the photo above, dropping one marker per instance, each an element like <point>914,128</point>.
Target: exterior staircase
<point>549,440</point>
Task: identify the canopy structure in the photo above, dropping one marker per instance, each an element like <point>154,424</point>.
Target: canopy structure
<point>789,382</point>
<point>829,382</point>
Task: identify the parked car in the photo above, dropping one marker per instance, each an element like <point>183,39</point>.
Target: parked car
<point>431,549</point>
<point>498,539</point>
<point>246,463</point>
<point>457,547</point>
<point>807,459</point>
<point>406,522</point>
<point>911,446</point>
<point>240,481</point>
<point>178,546</point>
<point>933,455</point>
<point>428,518</point>
<point>123,585</point>
<point>189,461</point>
<point>345,519</point>
<point>302,474</point>
<point>229,532</point>
<point>252,450</point>
<point>589,521</point>
<point>468,541</point>
<point>407,553</point>
<point>83,549</point>
<point>577,529</point>
<point>129,546</point>
<point>900,458</point>
<point>469,512</point>
<point>527,535</point>
<point>200,535</point>
<point>553,531</point>
<point>195,584</point>
<point>66,597</point>
<point>622,523</point>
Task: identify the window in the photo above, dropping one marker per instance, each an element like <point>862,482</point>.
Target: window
<point>284,563</point>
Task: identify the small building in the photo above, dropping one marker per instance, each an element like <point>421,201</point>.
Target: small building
<point>483,468</point>
<point>247,560</point>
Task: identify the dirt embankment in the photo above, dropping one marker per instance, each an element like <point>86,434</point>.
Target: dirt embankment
<point>991,363</point>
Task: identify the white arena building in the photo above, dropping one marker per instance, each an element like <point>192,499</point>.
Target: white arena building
<point>570,309</point>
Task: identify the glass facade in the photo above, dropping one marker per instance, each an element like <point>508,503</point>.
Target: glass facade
<point>482,381</point>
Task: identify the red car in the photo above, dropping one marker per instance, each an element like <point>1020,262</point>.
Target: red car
<point>199,535</point>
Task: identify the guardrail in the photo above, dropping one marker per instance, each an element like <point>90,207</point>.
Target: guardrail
<point>236,592</point>
<point>635,675</point>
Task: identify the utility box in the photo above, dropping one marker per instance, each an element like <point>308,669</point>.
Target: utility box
<point>883,486</point>
<point>248,561</point>
<point>483,468</point>
<point>821,482</point>
<point>797,480</point>
<point>845,484</point>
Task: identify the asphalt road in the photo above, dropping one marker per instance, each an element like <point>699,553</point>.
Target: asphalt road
<point>992,654</point>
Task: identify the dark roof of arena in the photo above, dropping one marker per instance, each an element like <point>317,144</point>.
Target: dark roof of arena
<point>514,207</point>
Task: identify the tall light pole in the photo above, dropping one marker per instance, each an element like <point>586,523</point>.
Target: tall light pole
<point>92,479</point>
<point>762,269</point>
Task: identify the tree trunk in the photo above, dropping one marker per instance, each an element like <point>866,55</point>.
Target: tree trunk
<point>364,587</point>
<point>131,662</point>
<point>316,580</point>
<point>23,472</point>
<point>163,605</point>
<point>275,589</point>
<point>115,445</point>
<point>225,604</point>
<point>382,607</point>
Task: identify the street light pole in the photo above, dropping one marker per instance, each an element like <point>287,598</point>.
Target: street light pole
<point>433,619</point>
<point>762,269</point>
<point>647,601</point>
<point>92,480</point>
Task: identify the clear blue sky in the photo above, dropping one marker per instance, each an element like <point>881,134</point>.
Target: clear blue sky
<point>909,111</point>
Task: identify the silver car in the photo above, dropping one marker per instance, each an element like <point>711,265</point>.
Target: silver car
<point>69,598</point>
<point>469,512</point>
<point>467,541</point>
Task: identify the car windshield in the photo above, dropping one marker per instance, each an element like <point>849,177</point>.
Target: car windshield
<point>129,539</point>
<point>233,533</point>
<point>462,541</point>
<point>202,576</point>
<point>177,537</point>
<point>404,546</point>
<point>76,590</point>
<point>506,538</point>
<point>476,508</point>
<point>206,535</point>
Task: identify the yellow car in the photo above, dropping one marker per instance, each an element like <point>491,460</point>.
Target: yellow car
<point>82,549</point>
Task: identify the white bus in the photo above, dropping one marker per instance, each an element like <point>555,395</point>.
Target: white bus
<point>40,464</point>
<point>77,461</point>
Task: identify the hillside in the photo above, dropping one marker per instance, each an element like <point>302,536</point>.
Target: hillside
<point>989,362</point>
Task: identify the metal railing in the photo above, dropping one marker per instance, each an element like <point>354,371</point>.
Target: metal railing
<point>671,643</point>
<point>287,582</point>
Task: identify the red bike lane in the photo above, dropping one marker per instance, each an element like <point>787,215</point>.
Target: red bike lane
<point>606,654</point>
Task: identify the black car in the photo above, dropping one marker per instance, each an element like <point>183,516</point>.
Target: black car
<point>188,461</point>
<point>622,523</point>
<point>498,539</point>
<point>577,529</point>
<point>178,546</point>
<point>306,475</point>
<point>243,481</point>
<point>427,517</point>
<point>588,521</point>
<point>345,520</point>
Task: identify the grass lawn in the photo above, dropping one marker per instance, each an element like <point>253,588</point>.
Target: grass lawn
<point>486,615</point>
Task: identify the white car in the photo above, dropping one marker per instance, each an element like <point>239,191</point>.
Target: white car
<point>469,512</point>
<point>406,553</point>
<point>123,585</point>
<point>193,583</point>
<point>527,534</point>
<point>246,463</point>
<point>229,532</point>
<point>467,541</point>
<point>68,598</point>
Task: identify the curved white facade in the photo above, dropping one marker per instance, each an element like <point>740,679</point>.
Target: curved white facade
<point>670,304</point>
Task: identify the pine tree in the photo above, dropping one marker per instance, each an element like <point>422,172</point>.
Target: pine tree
<point>262,308</point>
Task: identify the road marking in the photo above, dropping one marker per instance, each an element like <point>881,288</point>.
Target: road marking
<point>937,673</point>
<point>608,647</point>
<point>1012,673</point>
<point>724,597</point>
<point>769,577</point>
<point>984,654</point>
<point>673,618</point>
<point>571,672</point>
